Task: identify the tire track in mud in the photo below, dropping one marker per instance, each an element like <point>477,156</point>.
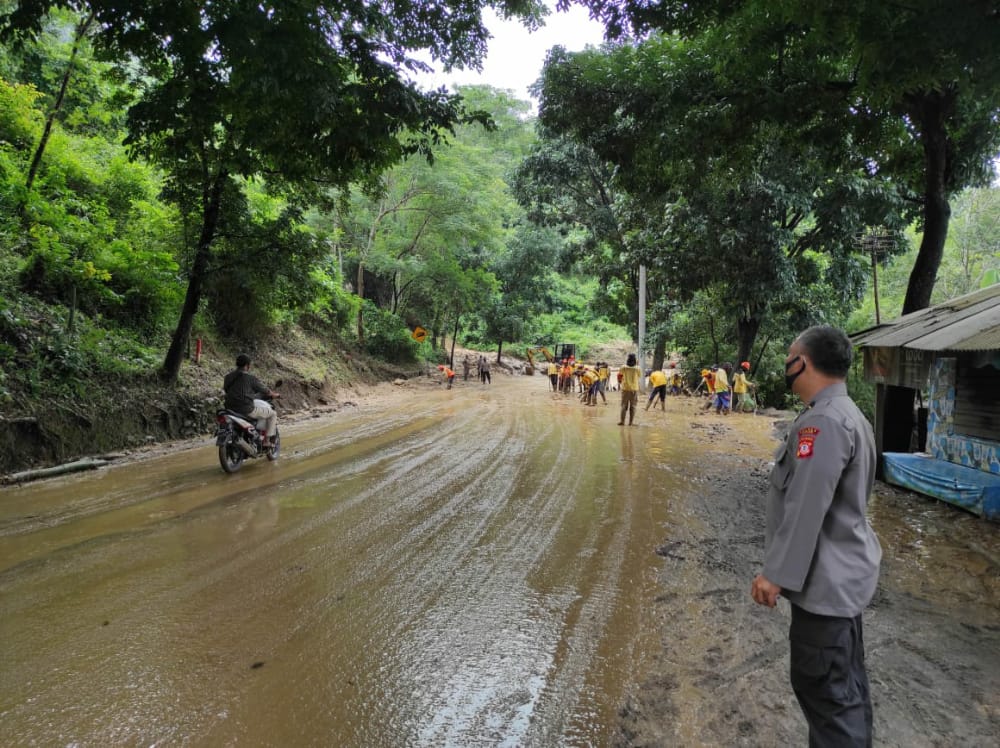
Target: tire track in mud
<point>493,563</point>
<point>465,568</point>
<point>165,596</point>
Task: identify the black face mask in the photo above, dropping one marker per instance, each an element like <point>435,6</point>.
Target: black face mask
<point>790,378</point>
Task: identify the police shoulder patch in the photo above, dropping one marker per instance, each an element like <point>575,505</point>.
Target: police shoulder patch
<point>807,441</point>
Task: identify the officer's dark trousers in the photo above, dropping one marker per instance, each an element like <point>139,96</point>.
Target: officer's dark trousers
<point>829,679</point>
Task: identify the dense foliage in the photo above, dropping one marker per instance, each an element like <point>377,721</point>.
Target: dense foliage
<point>97,255</point>
<point>165,173</point>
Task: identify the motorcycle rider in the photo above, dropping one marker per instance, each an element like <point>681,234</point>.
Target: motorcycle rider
<point>241,386</point>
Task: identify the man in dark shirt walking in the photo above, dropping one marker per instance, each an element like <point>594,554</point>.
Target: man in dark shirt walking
<point>241,387</point>
<point>819,550</point>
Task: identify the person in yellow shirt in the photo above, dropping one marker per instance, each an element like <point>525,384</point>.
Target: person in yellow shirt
<point>588,381</point>
<point>658,381</point>
<point>577,376</point>
<point>673,380</point>
<point>745,402</point>
<point>722,402</point>
<point>630,389</point>
<point>553,372</point>
<point>603,375</point>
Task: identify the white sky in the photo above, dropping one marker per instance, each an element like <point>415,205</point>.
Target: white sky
<point>515,56</point>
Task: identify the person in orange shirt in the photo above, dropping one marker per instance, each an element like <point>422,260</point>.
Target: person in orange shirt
<point>708,379</point>
<point>449,374</point>
<point>566,377</point>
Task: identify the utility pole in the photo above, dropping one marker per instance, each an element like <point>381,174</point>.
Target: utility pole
<point>642,324</point>
<point>878,243</point>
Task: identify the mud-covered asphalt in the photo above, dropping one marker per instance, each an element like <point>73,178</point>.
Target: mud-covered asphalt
<point>490,565</point>
<point>720,675</point>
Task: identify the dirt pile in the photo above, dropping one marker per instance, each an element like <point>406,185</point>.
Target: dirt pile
<point>721,677</point>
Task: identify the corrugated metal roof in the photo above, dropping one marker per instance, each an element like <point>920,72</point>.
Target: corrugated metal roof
<point>966,323</point>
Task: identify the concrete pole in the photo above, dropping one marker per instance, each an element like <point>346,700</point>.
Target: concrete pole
<point>642,325</point>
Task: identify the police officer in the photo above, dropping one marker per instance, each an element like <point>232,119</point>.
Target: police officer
<point>820,552</point>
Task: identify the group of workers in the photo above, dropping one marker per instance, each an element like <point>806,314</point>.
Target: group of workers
<point>725,396</point>
<point>482,369</point>
<point>569,376</point>
<point>820,483</point>
<point>726,391</point>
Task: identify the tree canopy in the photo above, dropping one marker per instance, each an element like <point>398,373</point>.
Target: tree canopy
<point>304,93</point>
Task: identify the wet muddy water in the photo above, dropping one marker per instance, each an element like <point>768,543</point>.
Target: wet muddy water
<point>464,567</point>
<point>473,567</point>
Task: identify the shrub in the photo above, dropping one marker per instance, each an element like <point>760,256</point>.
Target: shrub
<point>387,336</point>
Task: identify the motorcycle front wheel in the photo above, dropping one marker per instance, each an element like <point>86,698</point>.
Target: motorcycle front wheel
<point>231,456</point>
<point>272,453</point>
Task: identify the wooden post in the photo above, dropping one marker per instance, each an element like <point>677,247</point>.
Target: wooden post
<point>879,429</point>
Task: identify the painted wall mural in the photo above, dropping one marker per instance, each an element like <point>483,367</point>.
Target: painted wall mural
<point>942,441</point>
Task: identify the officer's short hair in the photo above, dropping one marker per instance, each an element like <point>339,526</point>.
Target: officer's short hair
<point>242,360</point>
<point>829,349</point>
<point>630,361</point>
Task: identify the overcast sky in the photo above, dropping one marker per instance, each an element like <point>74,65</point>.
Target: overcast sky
<point>515,56</point>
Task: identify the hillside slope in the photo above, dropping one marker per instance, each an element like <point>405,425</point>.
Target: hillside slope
<point>114,414</point>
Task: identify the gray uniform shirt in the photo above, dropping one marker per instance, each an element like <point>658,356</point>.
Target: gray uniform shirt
<point>819,546</point>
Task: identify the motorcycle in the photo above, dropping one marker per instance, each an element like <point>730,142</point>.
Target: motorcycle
<point>239,438</point>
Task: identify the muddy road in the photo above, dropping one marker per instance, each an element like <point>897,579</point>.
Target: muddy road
<point>481,566</point>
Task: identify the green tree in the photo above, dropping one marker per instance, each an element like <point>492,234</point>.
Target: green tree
<point>446,217</point>
<point>972,253</point>
<point>523,271</point>
<point>921,82</point>
<point>299,92</point>
<point>718,196</point>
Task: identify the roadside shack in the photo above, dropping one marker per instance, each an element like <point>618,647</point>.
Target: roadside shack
<point>950,355</point>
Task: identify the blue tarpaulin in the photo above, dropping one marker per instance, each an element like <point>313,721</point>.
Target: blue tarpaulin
<point>969,488</point>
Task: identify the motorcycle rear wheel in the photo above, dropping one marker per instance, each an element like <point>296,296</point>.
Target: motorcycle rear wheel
<point>231,457</point>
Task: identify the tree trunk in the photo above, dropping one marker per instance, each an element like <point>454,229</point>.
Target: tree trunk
<point>715,342</point>
<point>760,355</point>
<point>361,301</point>
<point>210,221</point>
<point>435,325</point>
<point>451,356</point>
<point>659,352</point>
<point>36,160</point>
<point>499,350</point>
<point>930,111</point>
<point>87,463</point>
<point>71,323</point>
<point>747,327</point>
